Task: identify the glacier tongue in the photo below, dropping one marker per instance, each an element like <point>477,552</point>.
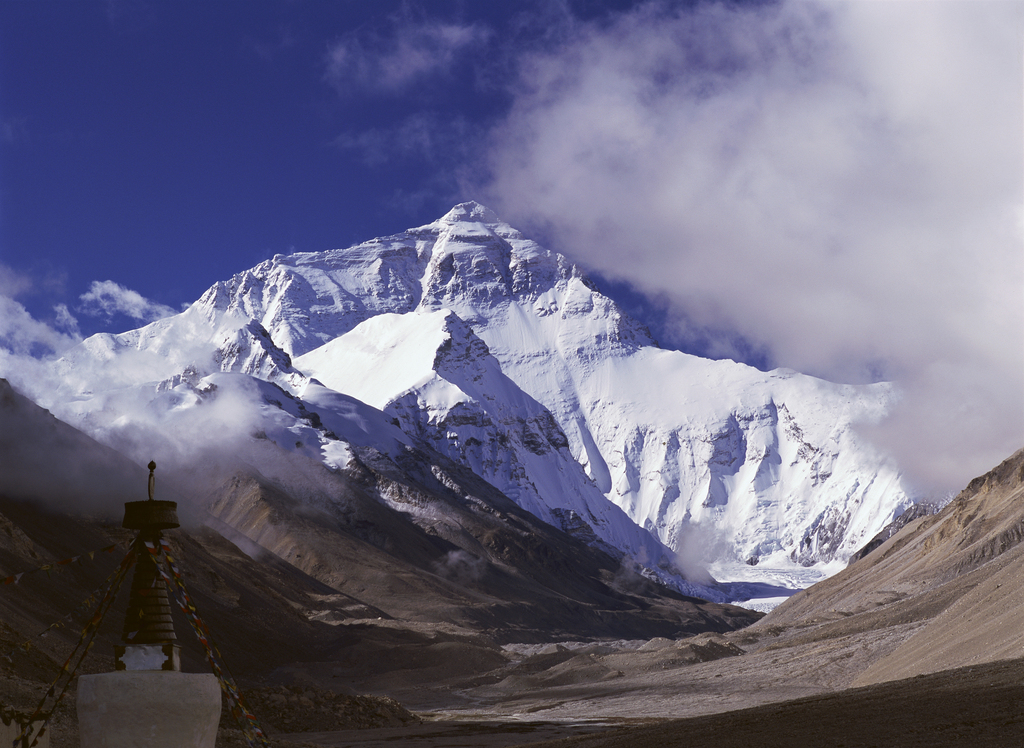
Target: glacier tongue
<point>505,357</point>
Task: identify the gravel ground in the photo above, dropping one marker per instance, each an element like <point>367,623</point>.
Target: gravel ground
<point>980,707</point>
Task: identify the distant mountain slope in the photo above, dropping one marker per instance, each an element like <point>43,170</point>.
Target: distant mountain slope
<point>40,454</point>
<point>443,546</point>
<point>422,541</point>
<point>951,583</point>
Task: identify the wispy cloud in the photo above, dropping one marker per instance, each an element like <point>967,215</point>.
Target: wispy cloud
<point>409,52</point>
<point>107,298</point>
<point>837,183</point>
<point>23,335</point>
<point>66,321</point>
<point>26,343</point>
<point>424,136</point>
<point>12,283</point>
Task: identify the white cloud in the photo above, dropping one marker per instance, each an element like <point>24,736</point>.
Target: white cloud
<point>66,321</point>
<point>107,298</point>
<point>28,346</point>
<point>12,283</point>
<point>423,136</point>
<point>23,335</point>
<point>839,183</point>
<point>391,63</point>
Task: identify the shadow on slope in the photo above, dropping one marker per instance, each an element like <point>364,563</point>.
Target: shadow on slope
<point>433,543</point>
<point>977,706</point>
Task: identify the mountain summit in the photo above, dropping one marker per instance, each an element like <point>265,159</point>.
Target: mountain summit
<point>503,356</point>
<point>471,212</point>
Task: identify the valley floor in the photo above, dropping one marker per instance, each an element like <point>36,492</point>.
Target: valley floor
<point>979,706</point>
<point>789,687</point>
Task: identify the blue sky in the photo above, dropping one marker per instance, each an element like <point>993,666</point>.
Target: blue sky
<point>168,145</point>
<point>164,146</point>
<point>833,187</point>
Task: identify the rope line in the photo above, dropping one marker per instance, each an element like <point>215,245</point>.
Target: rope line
<point>246,720</point>
<point>87,637</point>
<point>87,603</point>
<point>15,578</point>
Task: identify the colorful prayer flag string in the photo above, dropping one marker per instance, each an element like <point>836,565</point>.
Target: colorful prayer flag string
<point>15,578</point>
<point>245,719</point>
<point>86,637</point>
<point>83,605</point>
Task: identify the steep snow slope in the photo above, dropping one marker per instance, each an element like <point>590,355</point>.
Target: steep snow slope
<point>761,466</point>
<point>442,385</point>
<point>167,386</point>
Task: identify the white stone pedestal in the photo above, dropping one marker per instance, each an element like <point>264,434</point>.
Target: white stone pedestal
<point>148,709</point>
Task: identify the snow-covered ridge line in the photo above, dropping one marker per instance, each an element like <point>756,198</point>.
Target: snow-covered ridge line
<point>758,464</point>
<point>438,379</point>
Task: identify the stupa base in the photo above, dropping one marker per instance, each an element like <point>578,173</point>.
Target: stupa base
<point>148,709</point>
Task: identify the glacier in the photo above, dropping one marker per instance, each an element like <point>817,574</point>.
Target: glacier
<point>505,356</point>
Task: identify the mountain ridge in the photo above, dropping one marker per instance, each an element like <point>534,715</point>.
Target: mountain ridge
<point>759,467</point>
<point>575,352</point>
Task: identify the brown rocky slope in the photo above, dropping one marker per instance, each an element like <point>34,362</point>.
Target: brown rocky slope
<point>336,586</point>
<point>918,643</point>
<point>958,575</point>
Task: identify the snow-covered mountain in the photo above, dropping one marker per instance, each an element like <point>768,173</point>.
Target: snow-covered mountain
<point>205,381</point>
<point>503,356</point>
<point>769,461</point>
<point>438,379</point>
